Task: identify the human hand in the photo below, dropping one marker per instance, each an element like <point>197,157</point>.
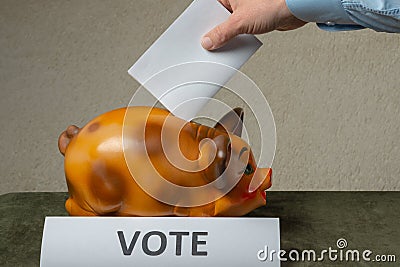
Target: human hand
<point>252,17</point>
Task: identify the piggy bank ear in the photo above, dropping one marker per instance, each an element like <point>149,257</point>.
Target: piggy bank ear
<point>231,122</point>
<point>215,154</point>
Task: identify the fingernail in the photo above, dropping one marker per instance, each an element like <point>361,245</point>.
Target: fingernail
<point>206,43</point>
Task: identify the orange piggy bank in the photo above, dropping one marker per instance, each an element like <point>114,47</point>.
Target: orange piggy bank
<point>144,161</point>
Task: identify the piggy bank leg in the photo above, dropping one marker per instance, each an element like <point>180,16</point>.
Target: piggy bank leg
<point>75,210</point>
<point>181,211</point>
<point>203,211</point>
<point>200,211</point>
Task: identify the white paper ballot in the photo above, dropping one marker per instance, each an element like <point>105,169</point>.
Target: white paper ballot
<point>163,241</point>
<point>185,88</point>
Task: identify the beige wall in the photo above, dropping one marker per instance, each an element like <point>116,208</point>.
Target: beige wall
<point>335,96</point>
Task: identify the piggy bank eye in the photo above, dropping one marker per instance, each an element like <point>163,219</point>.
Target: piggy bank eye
<point>249,169</point>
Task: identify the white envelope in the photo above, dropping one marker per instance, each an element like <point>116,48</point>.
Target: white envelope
<point>179,72</point>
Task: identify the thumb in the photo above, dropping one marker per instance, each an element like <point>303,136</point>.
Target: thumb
<point>221,34</point>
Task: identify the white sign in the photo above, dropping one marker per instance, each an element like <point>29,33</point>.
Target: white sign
<point>180,44</point>
<point>158,241</point>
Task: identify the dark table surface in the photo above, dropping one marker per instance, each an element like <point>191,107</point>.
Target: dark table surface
<point>308,220</point>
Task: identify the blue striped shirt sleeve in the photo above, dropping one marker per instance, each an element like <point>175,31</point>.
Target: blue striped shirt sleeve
<point>338,15</point>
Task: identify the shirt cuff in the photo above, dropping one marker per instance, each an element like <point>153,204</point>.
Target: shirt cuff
<point>339,27</point>
<point>330,12</point>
